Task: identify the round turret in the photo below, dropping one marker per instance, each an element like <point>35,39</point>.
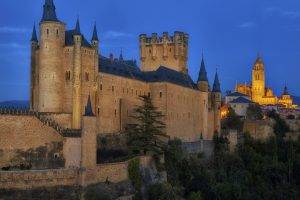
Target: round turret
<point>51,75</point>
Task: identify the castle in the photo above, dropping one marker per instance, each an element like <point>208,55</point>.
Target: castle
<point>77,94</point>
<point>67,70</point>
<point>258,91</point>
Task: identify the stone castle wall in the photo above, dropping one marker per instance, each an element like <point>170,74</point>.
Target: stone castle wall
<point>113,172</point>
<point>38,178</point>
<point>21,133</point>
<point>259,129</point>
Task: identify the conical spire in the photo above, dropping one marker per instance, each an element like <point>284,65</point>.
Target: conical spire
<point>202,73</point>
<point>88,108</point>
<point>216,86</point>
<point>77,27</point>
<point>49,13</point>
<point>95,34</point>
<point>34,36</point>
<point>285,91</point>
<point>121,56</point>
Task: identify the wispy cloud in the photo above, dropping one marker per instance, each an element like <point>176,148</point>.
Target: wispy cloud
<point>116,34</point>
<point>284,13</point>
<point>246,25</point>
<point>13,45</point>
<point>6,29</point>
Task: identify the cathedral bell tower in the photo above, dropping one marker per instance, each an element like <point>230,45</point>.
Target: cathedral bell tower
<point>258,80</point>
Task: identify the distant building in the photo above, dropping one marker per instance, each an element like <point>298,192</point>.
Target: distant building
<point>238,102</point>
<point>258,91</point>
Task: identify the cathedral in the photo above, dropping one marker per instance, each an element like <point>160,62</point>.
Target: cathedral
<point>258,91</point>
<point>70,78</point>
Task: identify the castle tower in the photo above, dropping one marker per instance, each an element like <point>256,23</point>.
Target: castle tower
<point>202,82</point>
<point>167,51</point>
<point>51,76</point>
<point>89,138</point>
<point>258,80</point>
<point>216,103</point>
<point>34,73</point>
<point>77,85</point>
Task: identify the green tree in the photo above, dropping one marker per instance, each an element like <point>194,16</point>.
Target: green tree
<point>148,132</point>
<point>254,112</point>
<point>232,121</point>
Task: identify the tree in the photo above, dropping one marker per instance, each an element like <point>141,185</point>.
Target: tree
<point>148,132</point>
<point>232,121</point>
<point>254,112</point>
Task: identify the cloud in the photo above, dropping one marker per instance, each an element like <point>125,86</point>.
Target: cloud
<point>13,45</point>
<point>116,34</point>
<point>284,13</point>
<point>246,25</point>
<point>6,29</point>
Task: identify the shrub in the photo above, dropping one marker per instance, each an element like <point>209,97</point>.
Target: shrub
<point>161,191</point>
<point>134,173</point>
<point>195,196</point>
<point>93,193</point>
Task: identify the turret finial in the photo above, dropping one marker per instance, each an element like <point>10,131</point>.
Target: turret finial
<point>88,108</point>
<point>121,56</point>
<point>34,36</point>
<point>49,13</point>
<point>202,73</point>
<point>77,27</point>
<point>95,33</point>
<point>216,86</point>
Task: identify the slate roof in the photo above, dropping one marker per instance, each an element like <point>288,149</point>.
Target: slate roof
<point>129,69</point>
<point>216,86</point>
<point>241,100</point>
<point>49,13</point>
<point>236,94</point>
<point>202,73</point>
<point>69,41</point>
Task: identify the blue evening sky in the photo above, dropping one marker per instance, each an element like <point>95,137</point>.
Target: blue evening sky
<point>229,32</point>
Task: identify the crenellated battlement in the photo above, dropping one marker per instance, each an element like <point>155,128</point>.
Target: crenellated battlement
<point>167,50</point>
<point>177,38</point>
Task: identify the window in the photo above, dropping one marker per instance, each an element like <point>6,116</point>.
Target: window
<point>101,86</point>
<point>68,75</point>
<point>149,94</point>
<point>98,111</point>
<point>47,32</point>
<point>57,33</point>
<point>86,76</point>
<point>115,113</point>
<point>160,94</point>
<point>113,88</point>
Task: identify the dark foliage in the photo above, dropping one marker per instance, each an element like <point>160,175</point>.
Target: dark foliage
<point>147,135</point>
<point>254,112</point>
<point>257,170</point>
<point>232,121</point>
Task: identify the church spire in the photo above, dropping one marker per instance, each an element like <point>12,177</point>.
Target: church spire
<point>34,36</point>
<point>216,86</point>
<point>49,13</point>
<point>77,27</point>
<point>285,91</point>
<point>202,73</point>
<point>121,59</point>
<point>95,34</point>
<point>88,108</point>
